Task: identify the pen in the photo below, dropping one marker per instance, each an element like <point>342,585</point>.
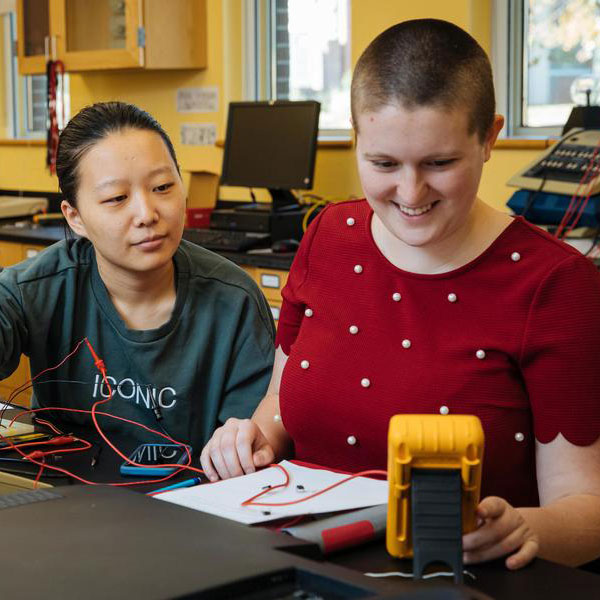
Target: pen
<point>181,484</point>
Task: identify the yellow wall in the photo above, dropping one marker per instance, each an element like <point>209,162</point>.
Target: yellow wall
<point>3,115</point>
<point>23,167</point>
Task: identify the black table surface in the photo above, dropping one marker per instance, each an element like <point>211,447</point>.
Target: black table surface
<point>541,579</point>
<point>25,232</point>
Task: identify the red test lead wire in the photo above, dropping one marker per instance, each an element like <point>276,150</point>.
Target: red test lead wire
<point>94,413</point>
<point>100,366</point>
<point>99,363</point>
<point>251,501</point>
<point>179,467</point>
<point>18,390</point>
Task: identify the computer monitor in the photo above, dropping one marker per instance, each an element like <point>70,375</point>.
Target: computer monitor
<point>271,145</point>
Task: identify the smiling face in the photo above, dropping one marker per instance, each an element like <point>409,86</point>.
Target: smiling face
<point>130,202</point>
<point>420,171</point>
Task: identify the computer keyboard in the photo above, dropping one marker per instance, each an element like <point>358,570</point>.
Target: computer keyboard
<point>227,241</point>
<point>20,498</point>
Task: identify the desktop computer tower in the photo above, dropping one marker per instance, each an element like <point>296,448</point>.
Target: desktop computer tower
<point>255,218</point>
<point>259,218</point>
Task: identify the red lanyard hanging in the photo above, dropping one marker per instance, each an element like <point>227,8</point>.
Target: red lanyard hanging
<point>55,69</point>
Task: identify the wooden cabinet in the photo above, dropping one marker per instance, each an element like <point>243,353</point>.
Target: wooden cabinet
<point>18,378</point>
<point>271,282</point>
<point>30,250</point>
<point>33,31</point>
<point>10,254</point>
<point>89,35</point>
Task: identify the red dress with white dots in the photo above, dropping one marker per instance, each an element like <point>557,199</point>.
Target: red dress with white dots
<point>512,337</point>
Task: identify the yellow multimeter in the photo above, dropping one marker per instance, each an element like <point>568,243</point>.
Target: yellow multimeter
<point>431,444</point>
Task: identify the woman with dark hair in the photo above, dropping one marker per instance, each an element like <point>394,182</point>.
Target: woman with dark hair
<point>184,334</point>
<point>422,298</point>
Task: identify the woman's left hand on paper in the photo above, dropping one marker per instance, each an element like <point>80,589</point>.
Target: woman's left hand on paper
<point>502,530</point>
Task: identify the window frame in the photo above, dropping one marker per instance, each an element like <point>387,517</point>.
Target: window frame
<point>27,119</point>
<point>259,70</point>
<point>19,88</point>
<point>509,62</point>
<point>10,78</point>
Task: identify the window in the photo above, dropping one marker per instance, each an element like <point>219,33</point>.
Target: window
<point>300,50</point>
<point>551,59</point>
<point>23,101</point>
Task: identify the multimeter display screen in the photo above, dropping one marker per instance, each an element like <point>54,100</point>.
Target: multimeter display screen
<point>159,454</point>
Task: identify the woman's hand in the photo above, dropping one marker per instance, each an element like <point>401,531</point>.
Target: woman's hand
<point>503,530</point>
<point>236,448</point>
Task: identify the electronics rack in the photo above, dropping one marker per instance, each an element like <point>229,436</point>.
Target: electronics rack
<point>560,168</point>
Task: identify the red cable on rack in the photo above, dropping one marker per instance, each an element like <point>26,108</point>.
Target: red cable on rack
<point>574,204</point>
<point>577,202</point>
<point>595,168</point>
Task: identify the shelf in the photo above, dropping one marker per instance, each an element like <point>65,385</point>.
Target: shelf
<point>9,142</point>
<point>523,143</point>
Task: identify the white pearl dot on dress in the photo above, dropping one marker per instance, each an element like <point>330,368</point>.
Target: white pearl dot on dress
<point>351,440</point>
<point>406,344</point>
<point>305,364</point>
<point>452,297</point>
<point>444,410</point>
<point>353,329</point>
<point>480,354</point>
<point>308,312</point>
<point>365,382</point>
<point>396,297</point>
<point>350,221</point>
<point>515,257</point>
<point>358,269</point>
<point>519,436</point>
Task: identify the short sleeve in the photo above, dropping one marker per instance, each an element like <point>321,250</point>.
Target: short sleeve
<point>560,358</point>
<point>13,329</point>
<point>292,308</point>
<point>251,361</point>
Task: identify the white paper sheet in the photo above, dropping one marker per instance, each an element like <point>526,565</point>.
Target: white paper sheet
<point>225,498</point>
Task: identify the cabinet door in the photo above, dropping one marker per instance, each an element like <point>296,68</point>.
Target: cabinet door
<point>17,379</point>
<point>271,282</point>
<point>10,253</point>
<point>30,250</point>
<point>275,307</point>
<point>33,35</point>
<point>98,34</point>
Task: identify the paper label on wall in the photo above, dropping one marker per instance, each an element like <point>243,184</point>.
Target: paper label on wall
<point>198,134</point>
<point>197,99</point>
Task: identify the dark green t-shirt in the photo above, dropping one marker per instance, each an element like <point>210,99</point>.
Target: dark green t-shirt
<point>210,361</point>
